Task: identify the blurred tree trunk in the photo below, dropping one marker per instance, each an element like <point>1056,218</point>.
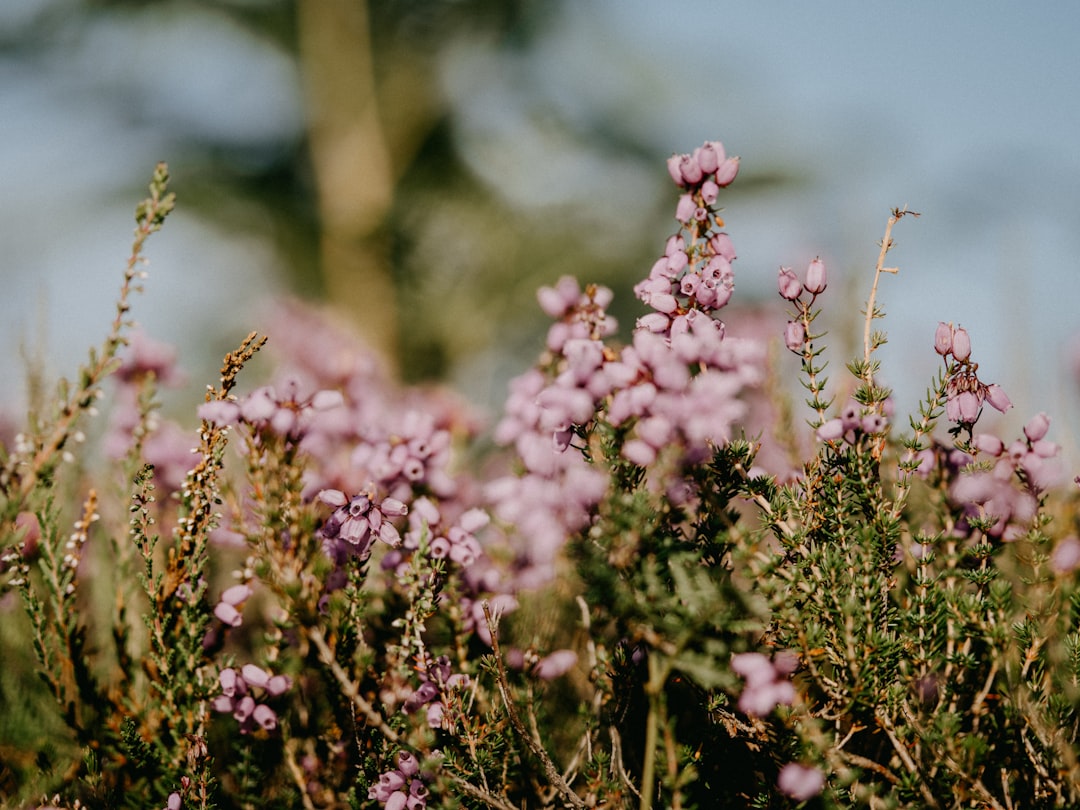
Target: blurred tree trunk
<point>354,172</point>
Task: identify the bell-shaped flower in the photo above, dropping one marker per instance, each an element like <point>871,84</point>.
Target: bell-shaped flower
<point>789,284</point>
<point>816,278</point>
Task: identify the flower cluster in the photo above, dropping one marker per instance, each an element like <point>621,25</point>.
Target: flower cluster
<point>767,683</point>
<point>966,393</point>
<point>855,421</point>
<point>990,496</point>
<point>280,410</point>
<point>228,608</point>
<point>791,288</point>
<point>435,684</point>
<point>401,788</point>
<point>361,519</point>
<point>246,695</point>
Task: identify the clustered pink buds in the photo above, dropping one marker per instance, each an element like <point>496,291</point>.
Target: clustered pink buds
<point>708,164</point>
<point>232,600</point>
<point>990,495</point>
<point>437,682</point>
<point>401,788</point>
<point>965,393</point>
<point>360,520</point>
<point>245,695</point>
<point>791,288</point>
<point>281,410</point>
<point>694,275</point>
<point>853,422</point>
<point>767,684</point>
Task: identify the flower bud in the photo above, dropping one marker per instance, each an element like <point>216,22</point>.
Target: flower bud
<point>254,676</point>
<point>790,286</point>
<point>722,245</point>
<point>725,174</point>
<point>710,155</point>
<point>795,336</point>
<point>265,717</point>
<point>943,339</point>
<point>831,430</point>
<point>800,782</point>
<point>815,277</point>
<point>989,444</point>
<point>686,208</point>
<point>1037,427</point>
<point>997,397</point>
<point>968,406</point>
<point>236,595</point>
<point>961,345</point>
<point>407,763</point>
<point>1065,558</point>
<point>691,171</point>
<point>674,170</point>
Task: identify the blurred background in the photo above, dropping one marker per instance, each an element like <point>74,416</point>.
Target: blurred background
<point>421,166</point>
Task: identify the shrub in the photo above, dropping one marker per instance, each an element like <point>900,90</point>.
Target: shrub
<point>348,596</point>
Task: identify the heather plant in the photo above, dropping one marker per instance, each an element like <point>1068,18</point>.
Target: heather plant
<point>336,591</point>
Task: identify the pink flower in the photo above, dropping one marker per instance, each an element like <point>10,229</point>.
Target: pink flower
<point>227,614</point>
<point>407,763</point>
<point>816,278</point>
<point>557,663</point>
<point>691,171</point>
<point>1037,427</point>
<point>943,337</point>
<point>236,595</point>
<point>961,345</point>
<point>800,782</point>
<point>795,336</point>
<point>265,717</point>
<point>766,684</point>
<point>997,397</point>
<point>684,211</point>
<point>1065,558</point>
<point>790,286</point>
<point>725,174</point>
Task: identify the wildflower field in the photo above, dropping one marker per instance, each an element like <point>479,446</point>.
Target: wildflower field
<point>663,577</point>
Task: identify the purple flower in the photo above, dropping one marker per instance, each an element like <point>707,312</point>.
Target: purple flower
<point>690,170</point>
<point>725,174</point>
<point>358,520</point>
<point>407,763</point>
<point>997,397</point>
<point>795,336</point>
<point>800,782</point>
<point>961,345</point>
<point>557,663</point>
<point>684,211</point>
<point>1065,558</point>
<point>790,286</point>
<point>943,338</point>
<point>1037,427</point>
<point>816,278</point>
<point>265,717</point>
<point>766,684</point>
<point>227,614</point>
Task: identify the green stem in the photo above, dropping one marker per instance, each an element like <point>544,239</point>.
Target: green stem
<point>655,690</point>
